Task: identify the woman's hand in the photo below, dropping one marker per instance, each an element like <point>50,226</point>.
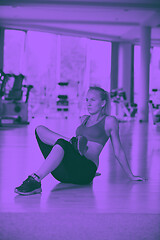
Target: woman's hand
<point>138,178</point>
<point>118,150</point>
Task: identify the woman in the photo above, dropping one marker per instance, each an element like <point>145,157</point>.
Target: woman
<point>76,160</point>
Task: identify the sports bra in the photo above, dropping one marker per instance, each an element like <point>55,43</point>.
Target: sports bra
<point>95,133</point>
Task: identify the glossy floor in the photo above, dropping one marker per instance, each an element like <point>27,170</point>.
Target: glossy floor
<point>112,192</point>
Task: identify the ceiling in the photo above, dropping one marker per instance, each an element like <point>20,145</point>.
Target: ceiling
<point>116,20</point>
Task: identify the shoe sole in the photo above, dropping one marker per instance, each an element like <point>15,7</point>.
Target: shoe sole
<point>36,191</point>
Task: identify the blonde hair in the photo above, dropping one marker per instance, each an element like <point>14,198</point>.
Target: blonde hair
<point>104,96</point>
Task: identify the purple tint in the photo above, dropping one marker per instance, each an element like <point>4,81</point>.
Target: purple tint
<point>112,205</point>
<point>154,70</point>
<point>47,59</point>
<point>100,63</point>
<point>139,149</point>
<point>13,51</point>
<point>136,72</point>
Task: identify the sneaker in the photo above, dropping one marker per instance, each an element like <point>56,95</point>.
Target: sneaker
<point>29,186</point>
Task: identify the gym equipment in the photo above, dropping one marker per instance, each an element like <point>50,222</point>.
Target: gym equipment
<point>120,107</point>
<point>62,100</point>
<point>154,105</point>
<point>13,109</point>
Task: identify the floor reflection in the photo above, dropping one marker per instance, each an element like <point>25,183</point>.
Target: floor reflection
<point>71,196</point>
<point>25,203</point>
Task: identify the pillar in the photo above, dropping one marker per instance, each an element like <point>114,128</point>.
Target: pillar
<point>1,48</point>
<point>58,59</point>
<point>124,68</point>
<point>145,39</point>
<point>132,75</point>
<point>86,81</point>
<point>114,66</point>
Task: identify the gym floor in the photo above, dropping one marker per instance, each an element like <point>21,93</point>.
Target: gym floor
<point>112,207</point>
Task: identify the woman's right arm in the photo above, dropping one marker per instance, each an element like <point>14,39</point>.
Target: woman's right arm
<point>119,151</point>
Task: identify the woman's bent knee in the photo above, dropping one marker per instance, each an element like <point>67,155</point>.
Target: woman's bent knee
<point>39,129</point>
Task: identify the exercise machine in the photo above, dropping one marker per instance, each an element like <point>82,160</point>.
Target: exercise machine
<point>120,107</point>
<point>154,106</point>
<point>13,101</point>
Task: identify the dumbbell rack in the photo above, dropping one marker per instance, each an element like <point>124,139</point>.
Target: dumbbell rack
<point>62,102</point>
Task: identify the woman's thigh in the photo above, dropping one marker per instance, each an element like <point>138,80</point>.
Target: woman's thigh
<point>74,168</point>
<point>47,136</point>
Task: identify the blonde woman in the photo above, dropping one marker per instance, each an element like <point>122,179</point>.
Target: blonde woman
<point>76,160</point>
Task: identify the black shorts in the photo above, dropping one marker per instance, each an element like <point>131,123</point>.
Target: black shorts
<point>73,168</point>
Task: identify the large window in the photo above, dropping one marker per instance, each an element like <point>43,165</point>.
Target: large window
<point>13,51</point>
<point>100,63</point>
<point>46,59</point>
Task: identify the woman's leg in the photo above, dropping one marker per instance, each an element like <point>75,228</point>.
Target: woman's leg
<point>54,155</point>
<point>47,136</point>
<point>53,160</point>
<point>61,173</point>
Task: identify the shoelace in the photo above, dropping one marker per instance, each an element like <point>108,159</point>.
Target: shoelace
<point>27,180</point>
<point>23,186</point>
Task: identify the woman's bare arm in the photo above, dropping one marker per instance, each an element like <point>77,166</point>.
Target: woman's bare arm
<point>118,149</point>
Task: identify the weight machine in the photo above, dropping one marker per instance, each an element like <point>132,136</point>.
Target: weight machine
<point>154,105</point>
<point>13,106</point>
<point>120,107</point>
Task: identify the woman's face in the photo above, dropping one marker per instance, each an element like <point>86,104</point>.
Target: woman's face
<point>94,102</point>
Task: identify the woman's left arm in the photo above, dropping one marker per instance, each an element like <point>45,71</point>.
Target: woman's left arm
<point>118,150</point>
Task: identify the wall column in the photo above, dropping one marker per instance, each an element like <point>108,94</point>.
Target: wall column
<point>114,66</point>
<point>1,48</point>
<point>132,75</point>
<point>124,68</point>
<point>145,40</point>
